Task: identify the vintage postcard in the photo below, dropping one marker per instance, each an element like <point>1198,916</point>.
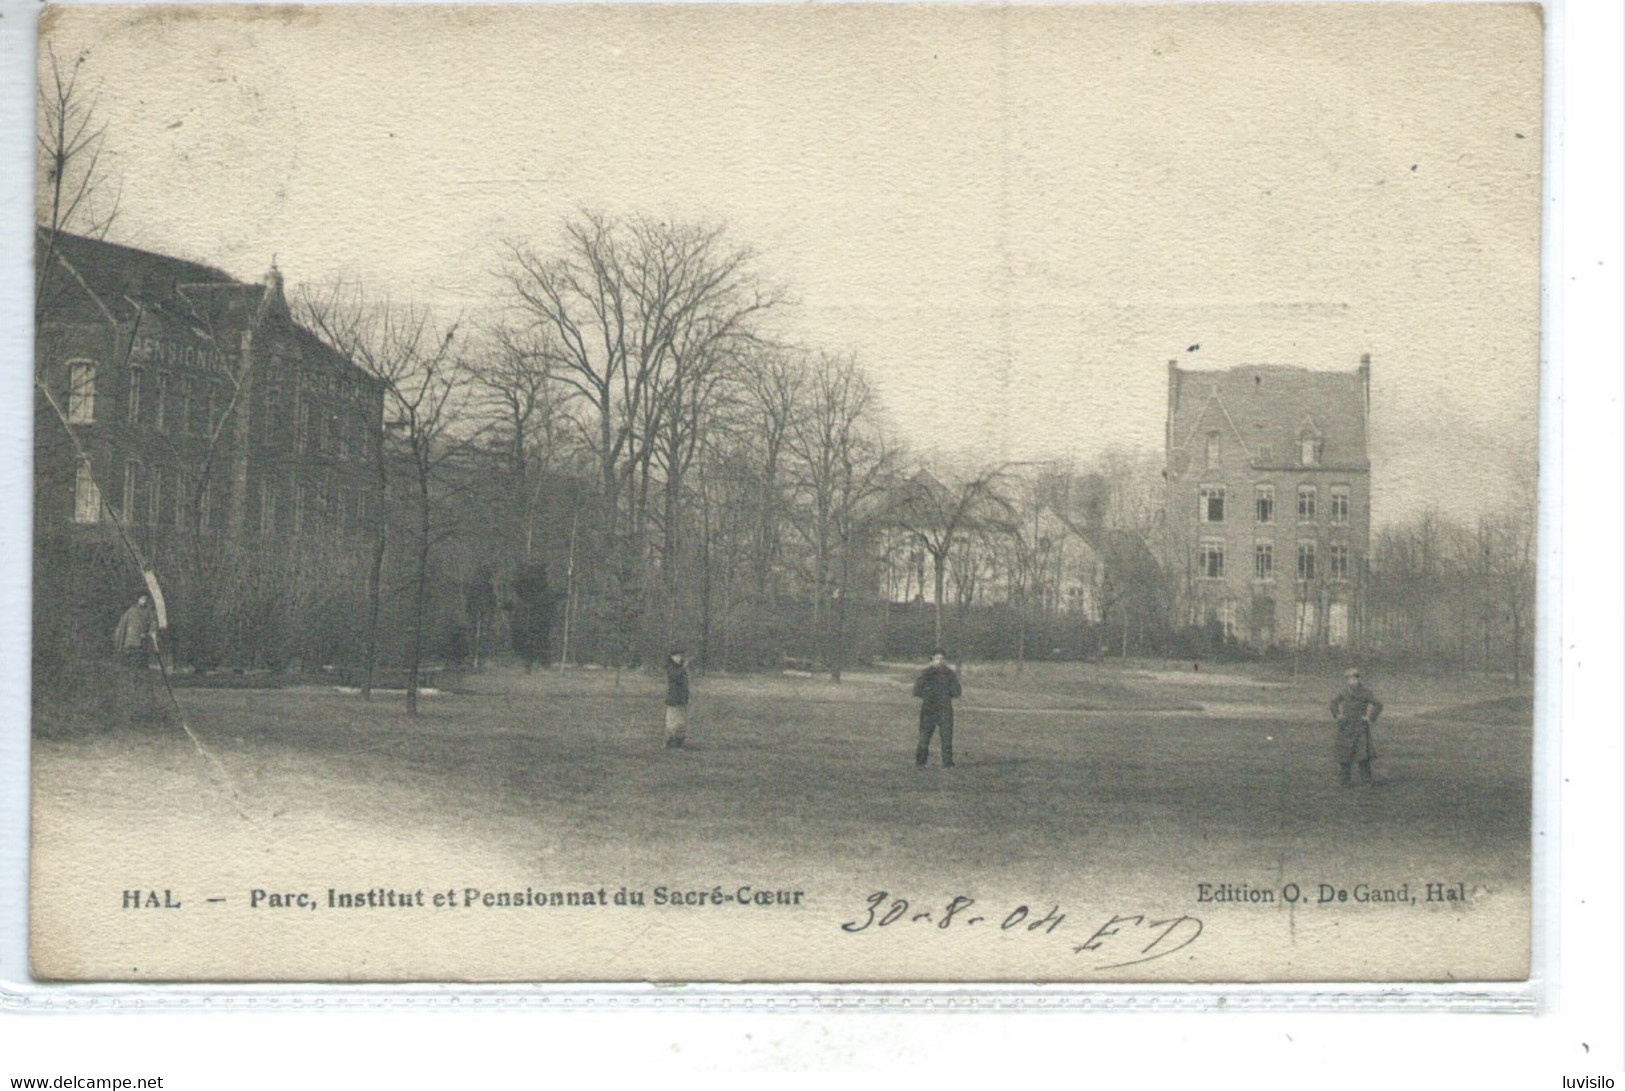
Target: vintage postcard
<point>952,493</point>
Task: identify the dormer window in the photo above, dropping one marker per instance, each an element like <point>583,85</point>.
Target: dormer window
<point>1212,449</point>
<point>1309,444</point>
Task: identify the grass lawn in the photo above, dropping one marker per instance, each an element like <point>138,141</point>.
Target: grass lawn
<point>1089,792</point>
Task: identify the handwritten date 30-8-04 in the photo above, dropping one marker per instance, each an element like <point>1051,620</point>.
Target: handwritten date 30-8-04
<point>1123,938</point>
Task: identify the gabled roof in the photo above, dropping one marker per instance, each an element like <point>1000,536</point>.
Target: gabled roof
<point>1272,405</point>
<point>124,281</point>
<point>121,277</point>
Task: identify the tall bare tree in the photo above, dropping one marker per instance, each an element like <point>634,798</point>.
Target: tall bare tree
<point>412,358</point>
<point>644,318</point>
<point>841,462</point>
<point>771,384</point>
<point>512,383</point>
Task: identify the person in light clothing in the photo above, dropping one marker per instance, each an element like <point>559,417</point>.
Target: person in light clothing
<point>676,700</point>
<point>136,635</point>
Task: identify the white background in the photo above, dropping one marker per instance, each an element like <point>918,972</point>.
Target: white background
<point>1581,1031</point>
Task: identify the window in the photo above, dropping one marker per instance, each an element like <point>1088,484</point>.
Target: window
<point>1227,619</point>
<point>1306,503</point>
<point>133,405</point>
<point>1210,504</point>
<point>267,508</point>
<point>1340,504</point>
<point>155,498</point>
<point>1309,451</point>
<point>306,438</point>
<point>160,396</point>
<point>299,502</point>
<point>1212,448</point>
<point>132,489</point>
<point>81,392</point>
<point>1264,561</point>
<point>1306,560</point>
<point>87,498</point>
<point>203,409</point>
<point>1264,501</point>
<point>183,406</point>
<point>1265,453</point>
<point>1340,562</point>
<point>268,409</point>
<point>1337,624</point>
<point>1210,560</point>
<point>1306,622</point>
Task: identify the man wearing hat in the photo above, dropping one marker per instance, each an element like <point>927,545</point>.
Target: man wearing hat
<point>1355,709</point>
<point>936,687</point>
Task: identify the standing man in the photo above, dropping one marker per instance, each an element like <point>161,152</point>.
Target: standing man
<point>1355,709</point>
<point>676,700</point>
<point>936,687</point>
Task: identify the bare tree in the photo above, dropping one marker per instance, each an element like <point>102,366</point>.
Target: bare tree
<point>701,301</point>
<point>75,188</point>
<point>939,509</point>
<point>772,384</point>
<point>512,382</point>
<point>1032,552</point>
<point>423,382</point>
<point>1514,562</point>
<point>644,319</point>
<point>841,463</point>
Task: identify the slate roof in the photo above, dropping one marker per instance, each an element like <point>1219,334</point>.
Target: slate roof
<point>1272,405</point>
<point>187,292</point>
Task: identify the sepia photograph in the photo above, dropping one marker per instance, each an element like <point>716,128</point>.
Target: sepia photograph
<point>833,494</point>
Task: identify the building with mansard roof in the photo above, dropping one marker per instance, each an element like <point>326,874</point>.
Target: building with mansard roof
<point>1269,500</point>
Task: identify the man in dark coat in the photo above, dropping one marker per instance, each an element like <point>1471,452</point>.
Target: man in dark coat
<point>676,700</point>
<point>936,687</point>
<point>1355,709</point>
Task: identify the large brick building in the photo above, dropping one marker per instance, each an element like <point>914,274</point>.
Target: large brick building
<point>186,423</point>
<point>194,401</point>
<point>1269,499</point>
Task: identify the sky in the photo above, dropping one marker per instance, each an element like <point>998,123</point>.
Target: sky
<point>1014,217</point>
